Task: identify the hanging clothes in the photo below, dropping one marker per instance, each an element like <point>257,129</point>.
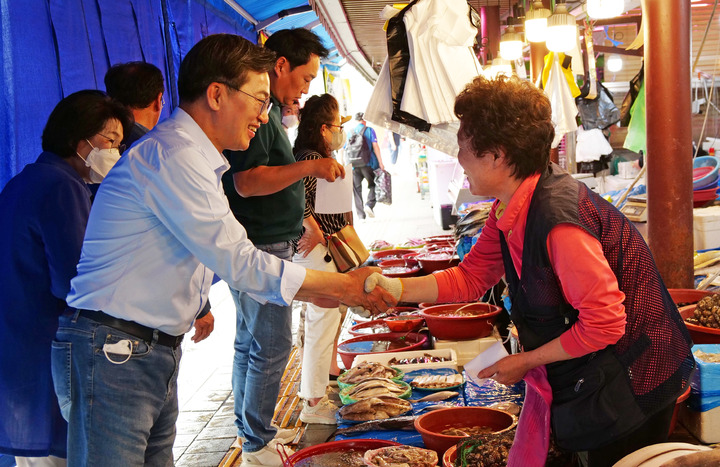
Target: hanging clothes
<point>430,60</point>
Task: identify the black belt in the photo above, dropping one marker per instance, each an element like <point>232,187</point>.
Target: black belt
<point>134,329</point>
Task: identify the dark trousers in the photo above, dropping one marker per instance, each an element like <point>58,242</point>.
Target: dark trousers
<point>360,174</point>
<point>653,431</point>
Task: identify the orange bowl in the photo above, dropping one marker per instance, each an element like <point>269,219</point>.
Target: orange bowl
<point>448,459</point>
<point>699,334</point>
<point>396,253</point>
<point>434,261</point>
<point>399,267</point>
<point>683,297</point>
<point>459,328</point>
<point>404,323</point>
<point>367,328</point>
<point>375,343</point>
<point>430,425</point>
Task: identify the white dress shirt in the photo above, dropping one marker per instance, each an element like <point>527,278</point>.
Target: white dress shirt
<point>159,225</point>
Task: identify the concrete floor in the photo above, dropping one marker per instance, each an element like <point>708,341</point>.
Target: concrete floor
<point>205,429</point>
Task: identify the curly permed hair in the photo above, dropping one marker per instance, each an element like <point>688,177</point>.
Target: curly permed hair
<point>509,115</point>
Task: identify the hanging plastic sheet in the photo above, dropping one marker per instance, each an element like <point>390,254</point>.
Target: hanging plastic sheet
<point>562,102</point>
<point>599,112</point>
<point>636,136</point>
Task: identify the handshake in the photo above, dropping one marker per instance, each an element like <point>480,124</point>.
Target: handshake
<point>377,285</point>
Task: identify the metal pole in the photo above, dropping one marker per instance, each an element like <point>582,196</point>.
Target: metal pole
<point>669,139</point>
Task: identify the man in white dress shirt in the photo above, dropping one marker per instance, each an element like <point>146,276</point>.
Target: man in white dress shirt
<point>159,227</point>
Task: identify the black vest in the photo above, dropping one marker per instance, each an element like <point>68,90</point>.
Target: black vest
<point>604,395</point>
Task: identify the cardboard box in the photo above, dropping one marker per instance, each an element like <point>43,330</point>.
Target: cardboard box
<point>466,350</point>
<point>385,357</point>
<point>706,227</point>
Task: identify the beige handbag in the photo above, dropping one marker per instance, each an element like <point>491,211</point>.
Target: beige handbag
<point>346,249</point>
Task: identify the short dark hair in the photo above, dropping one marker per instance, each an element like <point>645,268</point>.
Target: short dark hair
<point>296,45</point>
<point>80,116</point>
<point>317,111</point>
<point>359,116</point>
<point>220,58</point>
<point>134,84</point>
<point>511,115</point>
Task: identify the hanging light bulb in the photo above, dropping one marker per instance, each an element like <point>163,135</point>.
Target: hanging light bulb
<point>562,30</point>
<point>511,44</point>
<point>536,22</point>
<point>601,9</point>
<point>501,66</point>
<point>614,63</point>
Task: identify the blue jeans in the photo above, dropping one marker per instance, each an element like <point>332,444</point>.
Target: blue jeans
<point>119,414</point>
<point>263,341</point>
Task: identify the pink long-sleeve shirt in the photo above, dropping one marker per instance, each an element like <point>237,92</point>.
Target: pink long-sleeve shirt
<point>586,280</point>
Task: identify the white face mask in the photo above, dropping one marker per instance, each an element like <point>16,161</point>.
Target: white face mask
<point>338,139</point>
<point>290,121</point>
<point>100,162</point>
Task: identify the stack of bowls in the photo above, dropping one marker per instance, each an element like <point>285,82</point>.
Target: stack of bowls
<point>705,180</point>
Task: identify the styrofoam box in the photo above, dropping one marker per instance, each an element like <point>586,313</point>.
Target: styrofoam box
<point>705,426</point>
<point>706,227</point>
<point>385,357</point>
<point>467,350</point>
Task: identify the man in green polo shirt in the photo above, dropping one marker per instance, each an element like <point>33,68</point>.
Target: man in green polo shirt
<point>266,193</point>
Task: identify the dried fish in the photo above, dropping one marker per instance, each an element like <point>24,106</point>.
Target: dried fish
<point>405,456</point>
<point>374,387</point>
<point>367,370</point>
<point>375,408</point>
<point>437,381</point>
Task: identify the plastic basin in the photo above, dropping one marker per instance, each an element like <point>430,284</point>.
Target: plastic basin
<point>437,261</point>
<point>683,397</point>
<point>404,323</point>
<point>460,328</point>
<point>699,334</point>
<point>396,253</point>
<point>336,446</point>
<point>389,267</point>
<point>682,297</point>
<point>371,344</point>
<point>432,423</point>
<point>376,326</point>
<point>705,170</point>
<point>448,459</point>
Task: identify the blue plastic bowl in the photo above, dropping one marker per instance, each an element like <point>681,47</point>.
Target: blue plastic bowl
<point>709,176</point>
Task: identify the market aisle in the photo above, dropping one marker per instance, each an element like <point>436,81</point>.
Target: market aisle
<point>205,428</point>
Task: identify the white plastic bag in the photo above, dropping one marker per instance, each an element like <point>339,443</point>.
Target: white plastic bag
<point>563,105</point>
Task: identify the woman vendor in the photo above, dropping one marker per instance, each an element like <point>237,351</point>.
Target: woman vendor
<point>587,299</point>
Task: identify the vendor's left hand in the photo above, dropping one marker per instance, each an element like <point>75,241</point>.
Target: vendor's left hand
<point>507,371</point>
<point>203,327</point>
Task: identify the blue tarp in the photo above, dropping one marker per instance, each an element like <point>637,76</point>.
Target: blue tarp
<point>51,49</point>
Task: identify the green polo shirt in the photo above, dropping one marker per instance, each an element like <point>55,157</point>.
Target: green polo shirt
<point>272,218</point>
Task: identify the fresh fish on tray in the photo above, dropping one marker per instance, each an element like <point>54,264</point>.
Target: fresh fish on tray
<point>375,408</point>
<point>391,424</point>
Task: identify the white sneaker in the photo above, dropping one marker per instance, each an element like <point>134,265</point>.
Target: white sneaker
<point>267,456</point>
<point>283,436</point>
<point>369,211</point>
<point>324,412</point>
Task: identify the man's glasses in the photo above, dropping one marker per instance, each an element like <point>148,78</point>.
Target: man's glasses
<point>336,126</point>
<point>120,147</point>
<point>265,104</point>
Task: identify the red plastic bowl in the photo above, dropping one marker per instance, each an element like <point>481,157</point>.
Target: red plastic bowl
<point>404,323</point>
<point>402,309</point>
<point>411,264</point>
<point>460,328</point>
<point>430,263</point>
<point>363,329</point>
<point>409,341</point>
<point>396,253</point>
<point>682,297</point>
<point>336,446</point>
<point>699,334</point>
<point>430,425</point>
<point>448,459</point>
